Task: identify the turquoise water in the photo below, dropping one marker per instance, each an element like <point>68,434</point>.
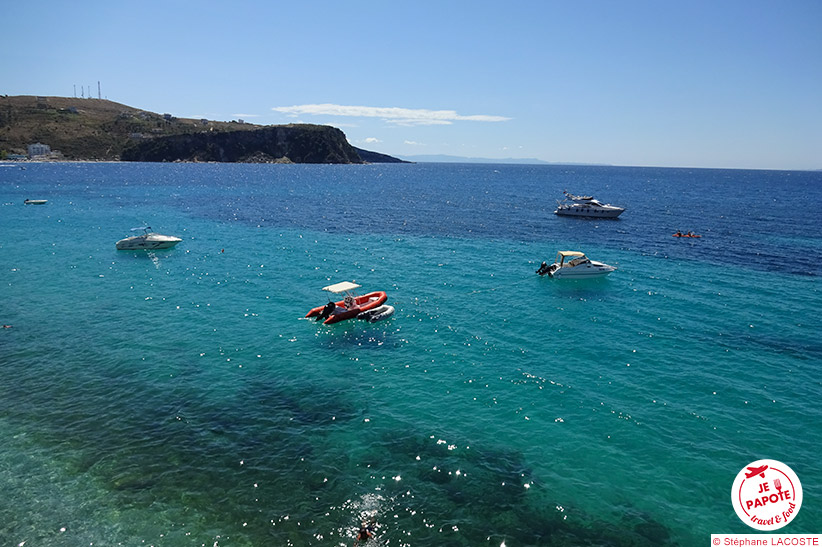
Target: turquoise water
<point>179,398</point>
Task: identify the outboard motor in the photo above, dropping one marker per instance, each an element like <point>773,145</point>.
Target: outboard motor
<point>327,310</point>
<point>543,269</point>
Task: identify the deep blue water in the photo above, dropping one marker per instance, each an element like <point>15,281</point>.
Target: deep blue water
<point>179,398</point>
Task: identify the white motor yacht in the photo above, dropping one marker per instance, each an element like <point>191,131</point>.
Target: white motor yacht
<point>586,206</point>
<point>148,240</point>
<point>574,265</point>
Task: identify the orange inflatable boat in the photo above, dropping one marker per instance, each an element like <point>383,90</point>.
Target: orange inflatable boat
<point>350,306</point>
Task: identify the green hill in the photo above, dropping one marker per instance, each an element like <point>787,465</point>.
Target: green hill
<point>95,129</point>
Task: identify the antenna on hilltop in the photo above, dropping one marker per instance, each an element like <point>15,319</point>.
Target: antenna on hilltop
<point>99,96</point>
<point>75,91</point>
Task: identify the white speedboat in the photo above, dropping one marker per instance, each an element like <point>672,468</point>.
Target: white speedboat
<point>148,240</point>
<point>574,265</point>
<point>586,206</point>
<point>35,201</point>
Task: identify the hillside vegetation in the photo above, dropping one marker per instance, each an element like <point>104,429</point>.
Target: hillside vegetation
<point>95,129</point>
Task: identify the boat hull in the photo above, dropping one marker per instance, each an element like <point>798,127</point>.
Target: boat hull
<point>361,304</point>
<point>589,212</point>
<point>583,271</point>
<point>142,243</point>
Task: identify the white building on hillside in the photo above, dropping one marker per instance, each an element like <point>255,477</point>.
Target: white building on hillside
<point>39,149</point>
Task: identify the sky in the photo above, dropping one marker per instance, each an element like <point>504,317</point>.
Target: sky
<point>696,83</point>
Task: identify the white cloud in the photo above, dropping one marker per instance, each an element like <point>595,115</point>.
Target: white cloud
<point>372,140</point>
<point>246,115</point>
<point>412,143</point>
<point>409,122</point>
<point>394,115</point>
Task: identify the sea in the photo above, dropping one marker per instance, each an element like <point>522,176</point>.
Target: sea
<point>180,398</point>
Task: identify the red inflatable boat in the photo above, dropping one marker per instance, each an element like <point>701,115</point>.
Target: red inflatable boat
<point>350,306</point>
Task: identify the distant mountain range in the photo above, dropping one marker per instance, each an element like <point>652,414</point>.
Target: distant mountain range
<point>95,129</point>
<point>443,158</point>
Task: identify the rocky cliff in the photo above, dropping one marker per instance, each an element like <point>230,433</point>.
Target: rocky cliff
<point>296,143</point>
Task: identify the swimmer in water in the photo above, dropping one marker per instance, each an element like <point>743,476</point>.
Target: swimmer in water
<point>365,532</point>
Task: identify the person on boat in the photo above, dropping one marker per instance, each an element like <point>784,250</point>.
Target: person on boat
<point>543,269</point>
<point>690,234</point>
<point>678,234</point>
<point>348,301</point>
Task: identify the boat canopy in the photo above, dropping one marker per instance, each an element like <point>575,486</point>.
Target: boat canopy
<point>570,253</point>
<point>345,286</point>
<point>141,228</point>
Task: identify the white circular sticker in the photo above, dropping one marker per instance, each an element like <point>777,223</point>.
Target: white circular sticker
<point>766,495</point>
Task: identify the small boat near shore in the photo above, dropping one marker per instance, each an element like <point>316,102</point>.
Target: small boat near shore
<point>586,206</point>
<point>35,201</point>
<point>574,265</point>
<point>686,234</point>
<point>148,240</point>
<point>350,306</point>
